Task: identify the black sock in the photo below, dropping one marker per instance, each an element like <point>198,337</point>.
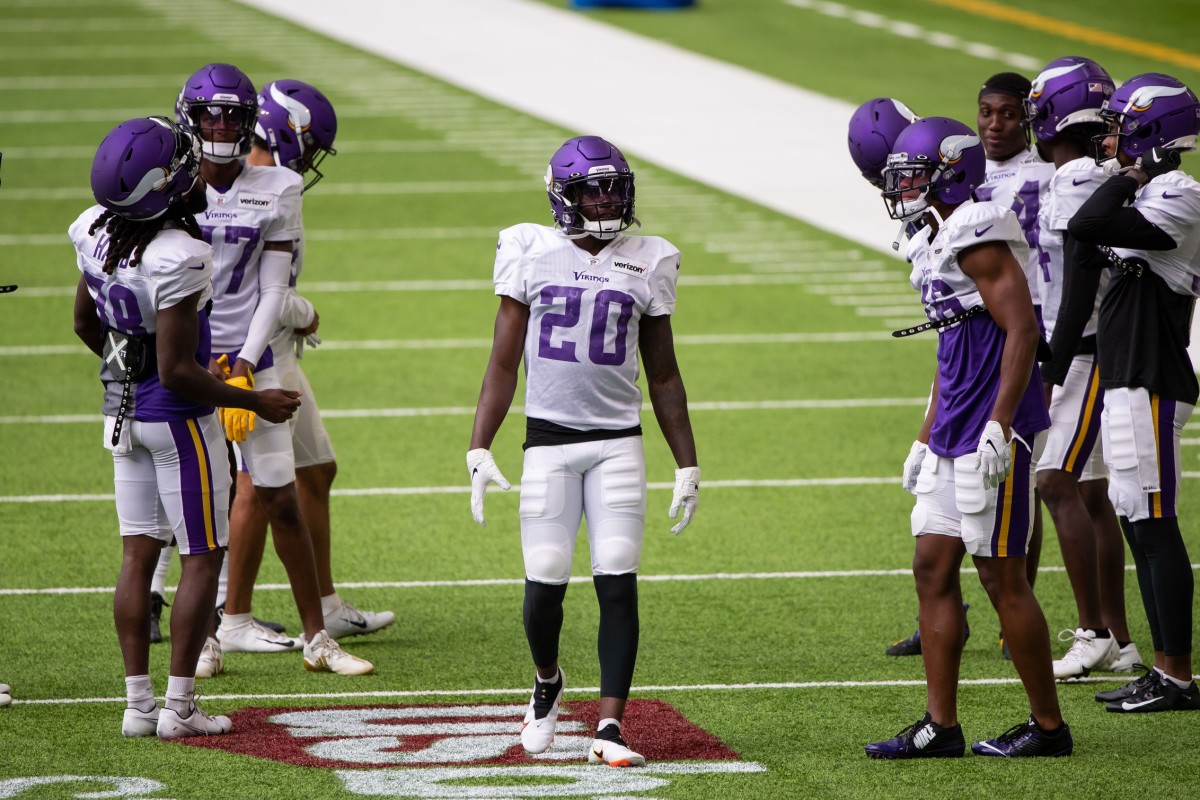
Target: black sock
<point>543,616</point>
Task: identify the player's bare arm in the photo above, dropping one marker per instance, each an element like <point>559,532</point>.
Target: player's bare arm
<point>176,343</point>
<point>656,343</point>
<point>500,377</point>
<point>1005,292</point>
<point>87,324</point>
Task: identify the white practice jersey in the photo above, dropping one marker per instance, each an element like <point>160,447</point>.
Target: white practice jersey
<point>1172,202</point>
<point>262,205</point>
<point>945,289</point>
<point>172,267</point>
<point>1070,187</point>
<point>581,361</point>
<point>1020,184</point>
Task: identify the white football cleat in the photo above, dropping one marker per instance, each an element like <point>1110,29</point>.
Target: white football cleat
<point>140,723</point>
<point>1086,653</point>
<point>349,621</point>
<point>323,654</point>
<point>537,729</point>
<point>212,659</point>
<point>197,723</point>
<point>253,637</point>
<point>1127,658</point>
<point>613,751</point>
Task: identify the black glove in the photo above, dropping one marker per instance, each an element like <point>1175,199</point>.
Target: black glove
<point>1159,161</point>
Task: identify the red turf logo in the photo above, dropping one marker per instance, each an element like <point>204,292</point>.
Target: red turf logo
<point>442,735</point>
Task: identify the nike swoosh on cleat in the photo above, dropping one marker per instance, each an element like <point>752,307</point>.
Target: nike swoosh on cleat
<point>991,746</point>
<point>288,643</point>
<point>1128,706</point>
<point>985,230</point>
<point>362,624</point>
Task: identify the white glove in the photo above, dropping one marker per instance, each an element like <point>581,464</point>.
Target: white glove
<point>482,469</point>
<point>912,467</point>
<point>994,456</point>
<point>313,340</point>
<point>685,496</point>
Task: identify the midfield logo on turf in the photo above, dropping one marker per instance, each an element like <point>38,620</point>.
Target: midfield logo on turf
<point>420,751</point>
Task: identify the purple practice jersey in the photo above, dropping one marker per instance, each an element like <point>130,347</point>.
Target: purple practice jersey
<point>969,352</point>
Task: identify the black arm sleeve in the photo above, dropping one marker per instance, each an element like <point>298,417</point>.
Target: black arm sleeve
<point>1104,219</point>
<point>1081,281</point>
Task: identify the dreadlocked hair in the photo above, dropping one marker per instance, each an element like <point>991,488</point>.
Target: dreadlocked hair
<point>128,238</point>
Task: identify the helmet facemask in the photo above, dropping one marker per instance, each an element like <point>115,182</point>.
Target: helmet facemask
<point>213,120</point>
<point>599,204</point>
<point>908,187</point>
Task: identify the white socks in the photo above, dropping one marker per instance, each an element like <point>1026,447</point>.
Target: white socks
<point>139,693</point>
<point>330,603</point>
<point>180,692</point>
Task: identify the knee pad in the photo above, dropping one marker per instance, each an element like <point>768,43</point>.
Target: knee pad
<point>548,564</point>
<point>617,555</point>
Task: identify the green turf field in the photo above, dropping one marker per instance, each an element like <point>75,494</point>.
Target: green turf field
<point>763,625</point>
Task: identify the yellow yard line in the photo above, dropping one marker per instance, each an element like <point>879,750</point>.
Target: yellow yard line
<point>1071,30</point>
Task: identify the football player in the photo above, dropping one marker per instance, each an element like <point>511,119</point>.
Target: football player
<point>295,129</point>
<point>982,434</point>
<point>1146,221</point>
<point>149,323</point>
<point>252,221</point>
<point>1063,114</point>
<point>873,129</point>
<point>578,302</point>
<point>1017,177</point>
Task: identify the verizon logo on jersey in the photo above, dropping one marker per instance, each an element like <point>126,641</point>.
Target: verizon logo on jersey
<point>631,268</point>
<point>255,201</point>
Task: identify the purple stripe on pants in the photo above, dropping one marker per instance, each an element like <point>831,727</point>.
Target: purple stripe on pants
<point>1167,476</point>
<point>195,488</point>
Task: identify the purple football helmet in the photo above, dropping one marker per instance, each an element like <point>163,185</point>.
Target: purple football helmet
<point>217,98</point>
<point>1148,111</point>
<point>298,124</point>
<point>144,166</point>
<point>1067,91</point>
<point>585,175</point>
<point>937,157</point>
<point>874,127</point>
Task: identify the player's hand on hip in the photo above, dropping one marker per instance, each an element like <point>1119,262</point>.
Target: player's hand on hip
<point>686,497</point>
<point>276,405</point>
<point>912,466</point>
<point>994,456</point>
<point>482,469</point>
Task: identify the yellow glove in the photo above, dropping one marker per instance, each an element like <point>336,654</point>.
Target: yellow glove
<point>223,363</point>
<point>238,421</point>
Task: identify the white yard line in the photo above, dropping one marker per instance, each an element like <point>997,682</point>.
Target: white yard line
<point>484,582</point>
<point>909,30</point>
<point>584,691</point>
<point>425,491</point>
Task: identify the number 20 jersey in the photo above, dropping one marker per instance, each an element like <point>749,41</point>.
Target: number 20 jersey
<point>581,341</point>
<point>262,205</point>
